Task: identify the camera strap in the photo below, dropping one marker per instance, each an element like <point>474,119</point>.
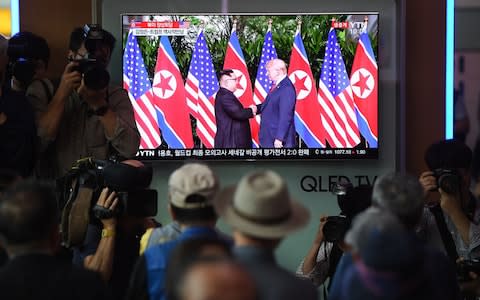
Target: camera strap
<point>445,234</point>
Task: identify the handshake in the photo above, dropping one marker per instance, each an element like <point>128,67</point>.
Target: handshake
<point>253,107</point>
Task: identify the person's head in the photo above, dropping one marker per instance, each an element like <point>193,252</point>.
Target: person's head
<point>29,217</point>
<point>276,68</point>
<point>228,79</point>
<point>382,242</point>
<point>28,55</point>
<point>401,195</point>
<point>220,280</point>
<point>260,206</point>
<point>187,253</point>
<point>191,190</point>
<point>81,46</point>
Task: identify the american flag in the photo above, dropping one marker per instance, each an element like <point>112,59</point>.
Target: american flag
<point>138,86</point>
<point>201,87</point>
<point>336,98</point>
<point>262,82</point>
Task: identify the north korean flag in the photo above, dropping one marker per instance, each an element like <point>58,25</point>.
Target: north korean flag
<point>170,100</point>
<point>234,60</point>
<point>364,80</point>
<point>307,109</point>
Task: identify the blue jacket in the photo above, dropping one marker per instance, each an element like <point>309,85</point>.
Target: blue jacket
<point>157,257</point>
<point>277,116</point>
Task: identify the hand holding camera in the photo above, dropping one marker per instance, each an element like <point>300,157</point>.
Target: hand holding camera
<point>71,80</point>
<point>105,208</point>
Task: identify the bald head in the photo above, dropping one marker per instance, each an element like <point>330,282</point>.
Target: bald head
<point>220,280</point>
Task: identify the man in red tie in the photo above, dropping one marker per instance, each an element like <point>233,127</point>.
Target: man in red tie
<point>277,126</point>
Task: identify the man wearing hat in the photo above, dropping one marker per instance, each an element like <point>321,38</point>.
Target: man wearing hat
<point>191,190</point>
<point>262,213</point>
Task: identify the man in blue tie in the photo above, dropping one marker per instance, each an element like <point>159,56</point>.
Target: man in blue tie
<point>277,127</point>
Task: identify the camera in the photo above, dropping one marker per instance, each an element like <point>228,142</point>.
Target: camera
<point>335,228</point>
<point>78,192</point>
<point>95,75</point>
<point>466,266</point>
<point>448,180</point>
<point>351,200</point>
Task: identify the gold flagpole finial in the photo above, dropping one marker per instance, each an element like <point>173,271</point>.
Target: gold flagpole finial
<point>234,26</point>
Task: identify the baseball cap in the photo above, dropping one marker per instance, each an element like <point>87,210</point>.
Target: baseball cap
<point>193,186</point>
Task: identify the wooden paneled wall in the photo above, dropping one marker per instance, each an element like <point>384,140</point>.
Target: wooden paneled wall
<point>54,20</point>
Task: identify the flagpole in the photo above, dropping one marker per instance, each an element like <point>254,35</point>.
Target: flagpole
<point>365,26</point>
<point>299,28</point>
<point>270,21</point>
<point>234,26</point>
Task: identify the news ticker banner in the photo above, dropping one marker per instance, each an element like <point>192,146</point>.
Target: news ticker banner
<point>260,154</point>
<point>152,28</point>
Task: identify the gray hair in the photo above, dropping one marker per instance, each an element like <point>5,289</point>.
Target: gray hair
<point>401,195</point>
<point>370,221</point>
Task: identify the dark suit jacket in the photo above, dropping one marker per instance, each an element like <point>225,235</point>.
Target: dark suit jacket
<point>272,281</point>
<point>233,127</point>
<point>41,276</point>
<point>277,112</point>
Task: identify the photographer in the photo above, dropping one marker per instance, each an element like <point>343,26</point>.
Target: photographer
<point>451,217</point>
<point>112,238</point>
<point>323,256</point>
<point>17,127</point>
<point>86,116</point>
<point>401,195</point>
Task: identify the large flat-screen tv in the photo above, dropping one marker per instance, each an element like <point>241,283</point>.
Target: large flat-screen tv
<point>324,107</point>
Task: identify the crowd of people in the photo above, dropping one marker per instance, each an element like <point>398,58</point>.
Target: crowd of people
<point>402,238</point>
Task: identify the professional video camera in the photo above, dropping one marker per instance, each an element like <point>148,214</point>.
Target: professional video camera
<point>466,266</point>
<point>78,192</point>
<point>448,180</point>
<point>95,75</point>
<point>351,201</point>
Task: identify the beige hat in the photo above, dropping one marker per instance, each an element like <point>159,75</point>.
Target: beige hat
<point>261,206</point>
<point>192,179</point>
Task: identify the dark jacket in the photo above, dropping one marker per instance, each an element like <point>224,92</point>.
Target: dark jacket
<point>41,276</point>
<point>233,127</point>
<point>277,116</point>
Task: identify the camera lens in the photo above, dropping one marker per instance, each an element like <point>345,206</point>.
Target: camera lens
<point>96,78</point>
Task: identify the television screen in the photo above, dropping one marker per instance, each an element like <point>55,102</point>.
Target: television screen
<point>236,87</point>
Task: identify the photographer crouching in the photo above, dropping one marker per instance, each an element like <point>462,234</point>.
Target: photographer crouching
<point>85,116</point>
<point>107,207</point>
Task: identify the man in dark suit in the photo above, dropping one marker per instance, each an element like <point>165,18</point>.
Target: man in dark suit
<point>277,127</point>
<point>233,129</point>
<point>29,227</point>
